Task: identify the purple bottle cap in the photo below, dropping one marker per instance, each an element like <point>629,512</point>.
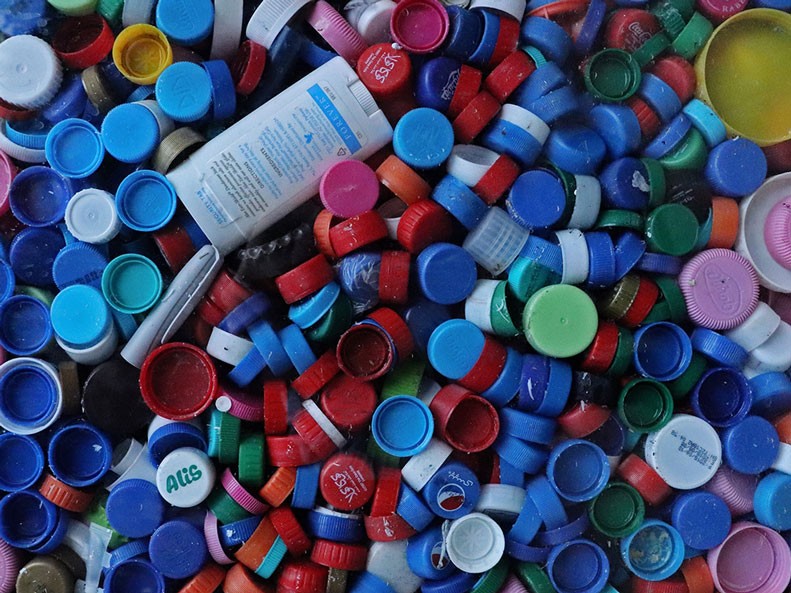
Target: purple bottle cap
<point>777,233</point>
<point>737,490</point>
<point>10,563</point>
<point>720,288</point>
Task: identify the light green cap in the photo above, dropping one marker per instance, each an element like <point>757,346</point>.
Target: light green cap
<point>74,7</point>
<point>560,321</point>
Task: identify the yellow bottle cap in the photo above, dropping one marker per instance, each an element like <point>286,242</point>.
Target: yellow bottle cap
<point>141,52</point>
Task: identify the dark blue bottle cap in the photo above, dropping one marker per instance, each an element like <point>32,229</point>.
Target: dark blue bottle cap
<point>265,339</point>
<point>426,557</point>
<point>660,263</point>
<point>313,54</point>
<point>454,348</point>
<point>488,43</point>
<point>26,191</point>
<point>578,566</point>
<point>505,137</point>
<point>186,24</point>
<point>358,275</point>
<point>422,318</point>
<point>196,235</point>
<point>178,549</point>
<point>25,326</point>
<point>7,280</point>
<point>423,138</point>
<point>30,397</point>
<point>306,486</point>
<point>130,133</point>
<point>624,184</point>
<point>524,456</point>
<point>736,168</point>
<point>722,396</point>
<point>27,519</point>
<point>544,252</point>
<point>146,201</point>
<point>533,382</point>
<point>668,137</point>
<point>718,349</point>
<point>662,351</point>
<point>133,549</point>
<point>21,462</point>
<point>578,470</point>
<point>771,394</point>
<point>527,524</point>
<point>505,388</point>
<point>79,263</point>
<point>464,33</point>
<point>334,526</point>
<point>436,82</point>
<point>446,273</point>
<point>134,508</point>
<point>550,507</point>
<point>701,518</point>
<point>549,37</point>
<point>537,200</point>
<point>134,575</point>
<point>575,148</point>
<point>79,454</point>
<point>296,347</point>
<point>237,532</point>
<point>528,427</point>
<point>141,93</point>
<point>601,259</point>
<point>556,104</point>
<point>751,446</point>
<point>453,491</point>
<point>558,389</point>
<point>370,583</point>
<point>458,582</point>
<point>547,77</point>
<point>460,201</point>
<point>526,552</point>
<point>24,17</point>
<point>591,25</point>
<point>610,436</point>
<point>618,126</point>
<point>223,91</point>
<point>412,509</point>
<point>659,96</point>
<point>629,248</point>
<point>172,436</point>
<point>248,312</point>
<point>576,527</point>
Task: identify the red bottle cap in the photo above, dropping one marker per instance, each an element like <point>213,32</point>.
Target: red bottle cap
<point>600,354</point>
<point>178,381</point>
<point>65,496</point>
<point>475,117</point>
<point>317,375</point>
<point>208,580</point>
<point>209,312</point>
<point>697,575</point>
<point>678,74</point>
<point>468,85</point>
<point>255,548</point>
<point>423,223</point>
<point>227,293</point>
<point>644,301</point>
<point>488,368</point>
<point>646,117</point>
<point>349,403</point>
<point>497,180</point>
<point>279,486</point>
<point>321,232</point>
<point>394,277</point>
<point>81,42</point>
<point>507,40</point>
<point>175,246</point>
<point>365,351</point>
<point>339,555</point>
<point>582,420</point>
<point>719,10</point>
<point>247,67</point>
<point>201,331</point>
<point>388,487</point>
<point>385,71</point>
<point>389,528</point>
<point>10,112</point>
<point>302,577</point>
<point>313,434</point>
<point>395,327</point>
<point>402,180</point>
<point>508,75</point>
<point>305,279</point>
<point>275,407</point>
<point>630,28</point>
<point>347,481</point>
<point>778,156</point>
<point>644,479</point>
<point>239,579</point>
<point>290,531</point>
<point>561,8</point>
<point>357,232</point>
<point>289,451</point>
<point>465,421</point>
<point>674,584</point>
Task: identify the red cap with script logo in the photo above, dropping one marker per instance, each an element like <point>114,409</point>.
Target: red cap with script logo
<point>347,481</point>
<point>387,73</point>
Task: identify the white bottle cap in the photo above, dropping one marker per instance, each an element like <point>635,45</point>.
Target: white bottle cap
<point>227,347</point>
<point>137,12</point>
<point>20,153</point>
<point>469,163</point>
<point>478,306</point>
<point>353,9</point>
<point>515,8</point>
<point>587,202</point>
<point>685,453</point>
<point>96,354</point>
<point>30,73</point>
<point>501,500</point>
<point>269,19</point>
<point>158,422</point>
<point>185,478</point>
<point>576,259</point>
<point>325,423</point>
<point>782,462</point>
<point>91,216</point>
<point>140,468</point>
<point>756,329</point>
<point>228,22</point>
<point>774,355</point>
<point>164,123</point>
<point>387,560</point>
<point>427,389</point>
<point>124,455</point>
<point>496,242</point>
<point>475,543</point>
<point>374,22</point>
<point>527,120</point>
<point>419,469</point>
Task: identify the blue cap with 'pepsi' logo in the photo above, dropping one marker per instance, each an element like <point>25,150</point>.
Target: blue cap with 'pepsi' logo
<point>453,491</point>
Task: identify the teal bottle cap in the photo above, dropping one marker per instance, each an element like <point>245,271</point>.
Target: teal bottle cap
<point>131,283</point>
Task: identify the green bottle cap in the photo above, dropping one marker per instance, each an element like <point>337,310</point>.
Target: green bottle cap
<point>73,7</point>
<point>111,10</point>
<point>252,460</point>
<point>224,434</point>
<point>671,293</point>
<point>651,49</point>
<point>375,452</point>
<point>569,186</point>
<point>693,36</point>
<point>671,229</point>
<point>680,388</point>
<point>645,405</point>
<point>692,153</point>
<point>226,509</point>
<point>560,321</point>
<point>526,277</point>
<point>500,312</point>
<point>405,379</point>
<point>656,182</point>
<point>623,354</point>
<point>620,219</point>
<point>534,578</point>
<point>536,54</point>
<point>659,312</point>
<point>684,7</point>
<point>612,75</point>
<point>41,294</point>
<point>617,511</point>
<point>617,301</point>
<point>670,18</point>
<point>492,580</point>
<point>335,321</point>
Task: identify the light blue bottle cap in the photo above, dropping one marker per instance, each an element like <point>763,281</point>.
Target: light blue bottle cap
<point>268,343</point>
<point>706,122</point>
<point>21,462</point>
<point>578,470</point>
<point>751,446</point>
<point>79,455</point>
<point>446,273</point>
<point>454,348</point>
<point>308,311</point>
<point>772,500</point>
<point>134,508</point>
<point>131,283</point>
<point>423,138</point>
<point>74,148</point>
<point>134,575</point>
<point>402,426</point>
<point>27,191</point>
<point>424,555</point>
<point>130,133</point>
<point>79,263</point>
<point>662,351</point>
<point>184,91</point>
<point>296,347</point>
<point>25,327</point>
<point>80,316</point>
<point>701,518</point>
<point>578,566</point>
<point>412,509</point>
<point>460,201</point>
<point>370,583</point>
<point>146,201</point>
<point>272,559</point>
<point>186,22</point>
<point>30,396</point>
<point>654,552</point>
<point>453,491</point>
<point>27,519</point>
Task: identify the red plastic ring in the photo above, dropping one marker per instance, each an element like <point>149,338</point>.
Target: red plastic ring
<point>388,487</point>
<point>601,352</point>
<point>396,328</point>
<point>638,474</point>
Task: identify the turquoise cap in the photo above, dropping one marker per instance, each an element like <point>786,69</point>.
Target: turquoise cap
<point>131,283</point>
<point>80,316</point>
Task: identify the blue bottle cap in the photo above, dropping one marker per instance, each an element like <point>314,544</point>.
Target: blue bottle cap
<point>547,36</point>
<point>297,348</point>
<point>610,436</point>
<point>131,283</point>
<point>146,201</point>
<point>308,311</point>
<point>505,388</point>
<point>79,264</point>
<point>701,518</point>
<point>533,382</point>
<point>324,523</point>
<point>510,475</point>
<point>544,252</point>
<point>370,583</point>
<point>624,184</point>
<point>7,280</point>
<point>454,348</point>
<point>629,249</point>
<point>134,508</point>
<point>80,316</point>
<point>771,501</point>
<point>174,435</point>
<point>660,263</point>
<point>668,137</point>
<point>659,96</point>
<point>251,310</point>
<point>74,148</point>
<point>423,138</point>
<point>575,148</point>
<point>422,318</point>
<point>464,33</point>
<point>460,201</point>
<point>134,575</point>
<point>771,394</point>
<point>524,456</point>
<point>186,23</point>
<point>178,549</point>
<point>30,396</point>
<point>402,426</point>
<point>578,470</point>
<point>436,82</point>
<point>412,509</point>
<point>507,138</point>
<point>223,91</point>
<point>537,200</point>
<point>306,486</point>
<point>722,397</point>
<point>265,339</point>
<point>544,79</point>
<point>453,491</point>
<point>578,566</point>
<point>27,519</point>
<point>446,273</point>
<point>601,259</point>
<point>358,275</point>
<point>751,446</point>
<point>458,582</point>
<point>736,167</point>
<point>618,127</point>
<point>528,427</point>
<point>25,326</point>
<point>527,524</point>
<point>27,189</point>
<point>591,25</point>
<point>30,133</point>
<point>130,133</point>
<point>426,557</point>
<point>488,43</point>
<point>558,389</point>
<point>21,462</point>
<point>555,104</point>
<point>313,54</point>
<point>183,92</point>
<point>79,455</point>
<point>252,365</point>
<point>234,534</point>
<point>654,552</point>
<point>718,349</point>
<point>133,549</point>
<point>706,122</point>
<point>548,503</point>
<point>662,351</point>
<point>26,17</point>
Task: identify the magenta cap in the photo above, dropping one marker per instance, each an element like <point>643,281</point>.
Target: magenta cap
<point>777,233</point>
<point>419,26</point>
<point>753,559</point>
<point>7,173</point>
<point>719,10</point>
<point>10,563</point>
<point>349,188</point>
<point>720,288</point>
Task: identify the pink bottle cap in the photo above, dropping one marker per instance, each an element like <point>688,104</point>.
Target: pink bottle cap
<point>238,492</point>
<point>337,32</point>
<point>719,10</point>
<point>349,188</point>
<point>777,233</point>
<point>7,173</point>
<point>720,288</point>
<point>419,26</point>
<point>9,567</point>
<point>513,585</point>
<point>735,489</point>
<point>753,559</point>
<point>780,303</point>
<point>211,531</point>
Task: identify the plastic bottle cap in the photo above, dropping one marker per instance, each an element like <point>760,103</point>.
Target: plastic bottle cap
<point>131,283</point>
<point>31,72</point>
<point>184,92</point>
<point>25,327</point>
<point>79,455</point>
<point>419,26</point>
<point>134,508</point>
<point>751,446</point>
<point>776,233</point>
<point>475,543</point>
<point>702,519</point>
<point>146,201</point>
<point>402,426</point>
<point>185,478</point>
<point>423,138</point>
<point>178,549</point>
<point>46,572</point>
<point>25,192</point>
<point>578,470</point>
<point>446,273</point>
<point>347,481</point>
<point>618,510</point>
<point>578,565</point>
<point>548,212</point>
<point>80,316</point>
<point>349,188</point>
<point>654,552</point>
<point>663,351</point>
<point>365,351</point>
<point>453,491</point>
<point>612,75</point>
<point>424,555</point>
<point>74,148</point>
<point>454,347</point>
<point>560,321</point>
<point>455,409</point>
<point>130,133</point>
<point>22,462</point>
<point>186,23</point>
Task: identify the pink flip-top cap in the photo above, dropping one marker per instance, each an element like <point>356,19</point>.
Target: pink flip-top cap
<point>419,26</point>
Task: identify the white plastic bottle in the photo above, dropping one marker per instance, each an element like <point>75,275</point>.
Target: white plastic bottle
<point>267,164</point>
